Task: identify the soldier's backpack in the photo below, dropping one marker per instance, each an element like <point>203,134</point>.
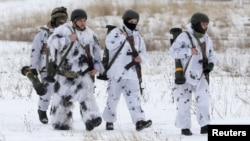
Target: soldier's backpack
<point>105,59</point>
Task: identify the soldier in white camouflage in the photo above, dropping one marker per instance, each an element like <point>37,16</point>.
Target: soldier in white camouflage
<point>194,48</point>
<point>122,80</point>
<point>78,59</point>
<point>40,56</point>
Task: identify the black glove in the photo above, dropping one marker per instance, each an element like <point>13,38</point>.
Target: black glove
<point>208,67</point>
<point>34,71</point>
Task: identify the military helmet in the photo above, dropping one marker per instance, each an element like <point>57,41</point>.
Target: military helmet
<point>59,12</point>
<point>78,14</point>
<point>130,14</point>
<point>199,17</point>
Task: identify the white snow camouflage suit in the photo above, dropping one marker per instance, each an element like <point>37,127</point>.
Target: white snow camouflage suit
<point>81,89</point>
<point>122,80</point>
<point>195,79</point>
<point>38,60</point>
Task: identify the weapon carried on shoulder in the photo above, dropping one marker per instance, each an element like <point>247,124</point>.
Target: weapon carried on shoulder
<point>179,73</point>
<point>38,86</point>
<point>132,63</point>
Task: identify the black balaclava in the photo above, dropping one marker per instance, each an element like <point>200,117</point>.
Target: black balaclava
<point>197,27</point>
<point>128,15</point>
<point>129,25</point>
<point>196,20</point>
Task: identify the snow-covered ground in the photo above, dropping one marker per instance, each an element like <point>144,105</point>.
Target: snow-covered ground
<point>230,99</point>
<point>18,110</point>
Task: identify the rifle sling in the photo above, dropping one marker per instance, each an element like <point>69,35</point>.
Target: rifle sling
<point>65,55</point>
<point>190,38</point>
<point>204,55</point>
<point>203,48</point>
<point>115,56</point>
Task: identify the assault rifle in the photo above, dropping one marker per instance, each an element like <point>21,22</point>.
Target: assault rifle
<point>89,59</point>
<point>132,63</point>
<point>205,60</point>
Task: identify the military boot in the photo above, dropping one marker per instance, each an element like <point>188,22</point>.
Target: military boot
<point>43,116</point>
<point>109,126</point>
<point>186,132</point>
<point>140,125</point>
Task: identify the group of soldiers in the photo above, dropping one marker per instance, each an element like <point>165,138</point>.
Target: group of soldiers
<point>71,49</point>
